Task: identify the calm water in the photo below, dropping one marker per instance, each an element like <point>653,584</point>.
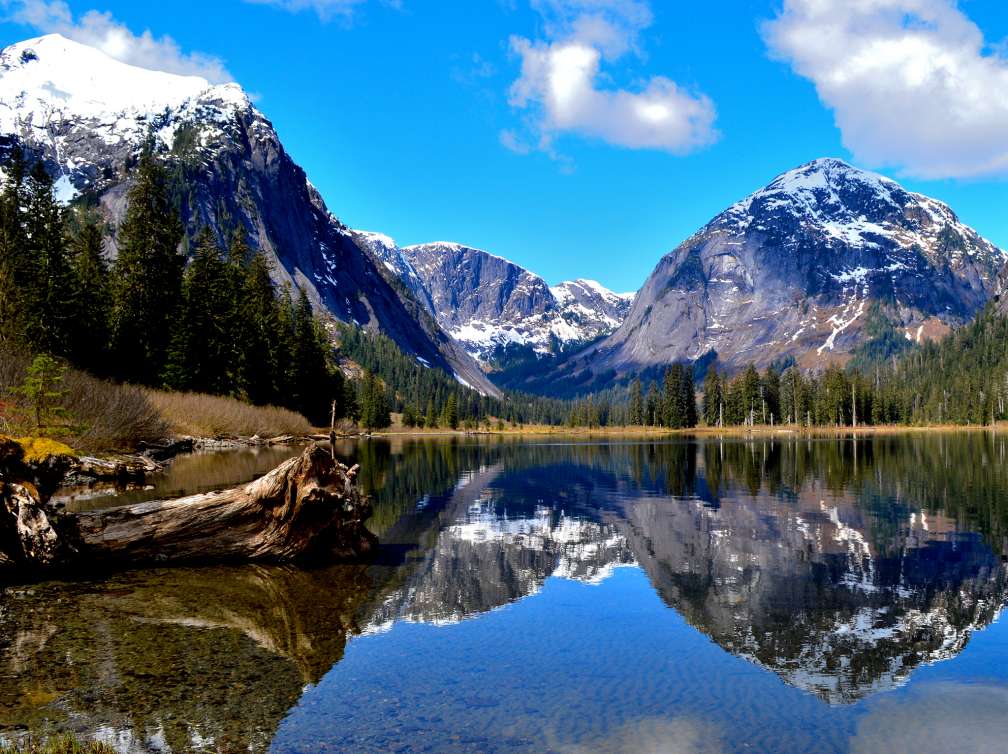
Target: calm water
<point>784,596</point>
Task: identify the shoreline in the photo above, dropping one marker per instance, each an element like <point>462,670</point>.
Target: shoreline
<point>663,432</point>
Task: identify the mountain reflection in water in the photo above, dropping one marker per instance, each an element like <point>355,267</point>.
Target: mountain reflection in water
<point>840,566</point>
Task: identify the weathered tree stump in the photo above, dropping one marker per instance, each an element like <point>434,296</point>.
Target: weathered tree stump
<point>305,507</point>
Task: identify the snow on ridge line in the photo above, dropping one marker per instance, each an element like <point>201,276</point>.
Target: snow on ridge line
<point>66,75</point>
<point>456,246</point>
<point>381,238</point>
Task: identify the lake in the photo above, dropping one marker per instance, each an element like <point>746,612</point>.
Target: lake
<point>773,595</point>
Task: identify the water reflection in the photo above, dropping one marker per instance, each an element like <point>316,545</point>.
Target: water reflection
<point>839,566</point>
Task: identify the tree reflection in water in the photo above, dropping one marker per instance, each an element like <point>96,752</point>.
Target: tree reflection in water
<point>839,565</point>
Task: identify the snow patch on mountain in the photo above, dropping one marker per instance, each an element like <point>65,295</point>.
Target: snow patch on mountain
<point>58,92</point>
<point>488,303</point>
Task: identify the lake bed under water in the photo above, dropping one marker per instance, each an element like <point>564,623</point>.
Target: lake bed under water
<point>777,595</point>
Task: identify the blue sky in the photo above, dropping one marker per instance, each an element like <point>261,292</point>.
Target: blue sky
<point>586,138</point>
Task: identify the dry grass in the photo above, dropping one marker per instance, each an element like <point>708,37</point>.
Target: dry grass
<point>202,415</point>
<point>102,415</point>
<point>58,745</point>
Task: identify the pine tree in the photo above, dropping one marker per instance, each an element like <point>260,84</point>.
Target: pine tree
<point>19,272</point>
<point>636,408</point>
<point>90,341</point>
<point>430,418</point>
<point>202,346</point>
<point>311,382</point>
<point>653,406</point>
<point>713,396</point>
<point>687,398</point>
<point>673,414</point>
<point>374,404</point>
<point>450,417</point>
<point>264,344</point>
<point>147,276</point>
<point>55,297</point>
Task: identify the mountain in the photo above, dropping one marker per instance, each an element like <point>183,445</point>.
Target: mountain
<point>495,308</point>
<point>793,270</point>
<point>87,116</point>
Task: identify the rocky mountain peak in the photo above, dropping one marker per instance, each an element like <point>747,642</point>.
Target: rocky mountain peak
<point>793,270</point>
<point>85,115</point>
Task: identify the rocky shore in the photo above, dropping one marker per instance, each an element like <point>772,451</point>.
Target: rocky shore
<point>308,506</point>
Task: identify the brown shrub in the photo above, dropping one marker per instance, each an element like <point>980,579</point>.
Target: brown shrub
<point>102,415</point>
<point>203,415</point>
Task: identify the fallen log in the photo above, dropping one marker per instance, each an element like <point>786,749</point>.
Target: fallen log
<point>116,469</point>
<point>307,506</point>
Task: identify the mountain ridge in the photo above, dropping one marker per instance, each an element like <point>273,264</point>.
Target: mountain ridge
<point>231,170</point>
<point>790,271</point>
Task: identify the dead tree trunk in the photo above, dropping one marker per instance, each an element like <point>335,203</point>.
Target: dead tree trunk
<point>307,506</point>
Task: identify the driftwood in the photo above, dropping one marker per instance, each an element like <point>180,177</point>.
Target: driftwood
<point>307,506</point>
<point>122,468</point>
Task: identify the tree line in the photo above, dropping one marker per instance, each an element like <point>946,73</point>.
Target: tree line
<point>959,379</point>
<point>216,325</point>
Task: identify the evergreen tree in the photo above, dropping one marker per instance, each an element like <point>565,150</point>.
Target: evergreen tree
<point>91,333</point>
<point>55,297</point>
<point>201,352</point>
<point>264,344</point>
<point>713,397</point>
<point>18,271</point>
<point>430,419</point>
<point>653,406</point>
<point>312,383</point>
<point>450,417</point>
<point>374,404</point>
<point>147,280</point>
<point>636,408</point>
<point>687,398</point>
<point>673,414</point>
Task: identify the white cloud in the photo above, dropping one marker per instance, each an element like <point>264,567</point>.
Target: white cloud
<point>99,29</point>
<point>911,82</point>
<point>559,82</point>
<point>325,9</point>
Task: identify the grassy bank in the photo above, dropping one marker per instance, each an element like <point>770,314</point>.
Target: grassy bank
<point>93,415</point>
<point>202,415</point>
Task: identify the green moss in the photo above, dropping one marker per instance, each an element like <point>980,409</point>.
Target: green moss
<point>38,449</point>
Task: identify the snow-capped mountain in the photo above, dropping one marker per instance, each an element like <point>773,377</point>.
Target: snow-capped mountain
<point>491,305</point>
<point>793,270</point>
<point>87,115</point>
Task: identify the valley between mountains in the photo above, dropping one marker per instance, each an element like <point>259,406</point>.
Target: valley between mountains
<point>805,271</point>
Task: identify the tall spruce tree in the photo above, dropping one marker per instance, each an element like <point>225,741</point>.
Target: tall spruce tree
<point>55,294</point>
<point>264,345</point>
<point>713,397</point>
<point>20,273</point>
<point>312,388</point>
<point>91,335</point>
<point>202,346</point>
<point>636,408</point>
<point>450,417</point>
<point>148,275</point>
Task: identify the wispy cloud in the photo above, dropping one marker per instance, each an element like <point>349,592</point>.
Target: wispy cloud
<point>560,88</point>
<point>101,30</point>
<point>325,9</point>
<point>911,82</point>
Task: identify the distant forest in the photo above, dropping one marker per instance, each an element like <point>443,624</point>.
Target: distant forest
<point>216,324</point>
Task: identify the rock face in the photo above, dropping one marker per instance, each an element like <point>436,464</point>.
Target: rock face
<point>793,269</point>
<point>495,308</point>
<point>87,115</point>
